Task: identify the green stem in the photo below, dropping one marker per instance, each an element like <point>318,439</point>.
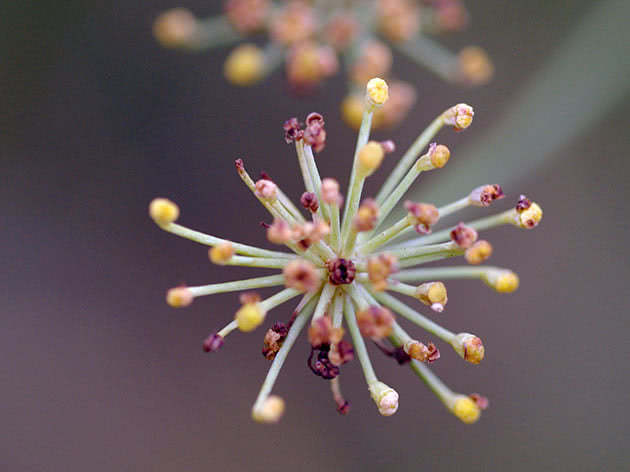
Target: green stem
<point>385,236</point>
<point>247,284</point>
<point>359,344</point>
<point>438,273</point>
<point>279,298</point>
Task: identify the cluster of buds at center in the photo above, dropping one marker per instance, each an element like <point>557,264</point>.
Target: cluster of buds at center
<point>312,39</point>
<point>346,264</point>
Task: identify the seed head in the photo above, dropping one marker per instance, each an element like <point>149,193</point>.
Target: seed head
<point>439,155</point>
<point>379,268</point>
<point>309,201</point>
<point>502,280</point>
<point>279,232</point>
<point>528,213</point>
<point>163,211</point>
<point>322,332</point>
<point>330,192</point>
<point>213,343</point>
<point>422,216</point>
<point>341,271</point>
<point>421,352</point>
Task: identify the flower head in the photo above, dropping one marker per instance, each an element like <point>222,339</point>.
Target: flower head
<point>346,268</point>
<point>313,38</point>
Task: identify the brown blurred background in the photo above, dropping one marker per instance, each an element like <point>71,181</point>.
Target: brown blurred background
<point>98,373</point>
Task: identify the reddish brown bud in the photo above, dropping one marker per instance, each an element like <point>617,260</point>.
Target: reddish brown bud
<point>309,201</point>
<point>464,236</point>
<point>292,130</point>
<point>375,322</point>
<point>422,216</point>
<point>379,268</point>
<point>483,196</point>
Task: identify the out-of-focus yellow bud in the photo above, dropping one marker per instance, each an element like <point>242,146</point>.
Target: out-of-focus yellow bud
<point>271,410</point>
<point>502,280</point>
<point>478,252</point>
<point>370,157</point>
<point>221,253</point>
<point>179,297</point>
<point>249,316</point>
<point>245,65</point>
<point>163,211</point>
<point>465,409</point>
<point>175,28</point>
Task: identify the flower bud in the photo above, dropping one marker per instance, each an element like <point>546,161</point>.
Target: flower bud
<point>271,410</point>
<point>422,216</point>
<point>245,65</point>
<point>528,213</point>
<point>367,215</point>
<point>385,397</point>
<point>459,116</point>
<point>432,294</point>
<point>314,133</point>
<point>221,253</point>
<point>465,409</point>
<point>175,28</point>
<point>370,157</point>
<point>341,271</point>
<point>179,297</point>
<point>475,66</point>
<point>375,322</point>
<point>247,16</point>
<point>301,275</point>
<point>249,316</point>
<point>279,232</point>
<point>439,155</point>
<point>377,91</point>
<point>464,236</point>
<point>379,268</point>
<point>309,202</point>
<point>469,347</point>
<point>330,192</point>
<point>266,190</point>
<point>502,280</point>
<point>163,211</point>
<point>483,196</point>
<point>478,252</point>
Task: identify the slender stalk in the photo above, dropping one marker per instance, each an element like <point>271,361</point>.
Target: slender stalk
<point>213,32</point>
<point>439,273</point>
<point>227,329</point>
<point>431,55</point>
<point>247,284</point>
<point>359,344</point>
<point>414,261</point>
<point>456,206</point>
<point>335,230</point>
<point>385,236</point>
<point>324,299</point>
<point>413,316</point>
<point>281,356</point>
<point>208,240</point>
<point>317,182</point>
<point>409,158</point>
<point>408,252</point>
<point>399,287</point>
<point>306,174</point>
<point>290,207</point>
<point>337,310</point>
<point>269,262</point>
<point>279,298</point>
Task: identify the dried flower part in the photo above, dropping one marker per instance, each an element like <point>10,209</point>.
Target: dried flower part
<point>385,397</point>
<point>374,60</point>
<point>367,215</point>
<point>478,252</point>
<point>175,28</point>
<point>293,23</point>
<point>486,194</point>
<point>402,96</point>
<point>399,20</point>
<point>271,411</point>
<point>420,352</point>
<point>464,236</point>
<point>163,211</point>
<point>221,253</point>
<point>249,317</point>
<point>379,268</point>
<point>481,401</point>
<point>377,92</point>
<point>266,190</point>
<point>503,281</point>
<point>433,294</point>
<point>321,331</point>
<point>292,130</point>
<point>212,343</point>
<point>439,155</point>
<point>469,347</point>
<point>330,192</point>
<point>309,202</point>
<point>179,297</point>
<point>272,343</point>
<point>422,216</point>
<point>279,232</point>
<point>459,116</point>
<point>247,16</point>
<point>314,133</point>
<point>370,157</point>
<point>341,30</point>
<point>301,275</point>
<point>375,322</point>
<point>245,65</point>
<point>465,409</point>
<point>474,66</point>
<point>341,271</point>
<point>528,213</point>
<point>341,353</point>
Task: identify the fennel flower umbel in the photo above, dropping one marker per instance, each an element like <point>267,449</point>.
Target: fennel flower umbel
<point>345,268</point>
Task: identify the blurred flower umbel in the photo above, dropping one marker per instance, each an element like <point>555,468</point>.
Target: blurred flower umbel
<point>313,37</point>
<point>347,268</point>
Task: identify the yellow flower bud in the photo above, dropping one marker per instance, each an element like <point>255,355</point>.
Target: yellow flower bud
<point>163,211</point>
<point>377,91</point>
<point>249,317</point>
<point>370,157</point>
<point>221,253</point>
<point>271,410</point>
<point>175,28</point>
<point>432,294</point>
<point>469,347</point>
<point>245,65</point>
<point>502,280</point>
<point>530,217</point>
<point>466,409</point>
<point>440,156</point>
<point>478,252</point>
<point>179,297</point>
